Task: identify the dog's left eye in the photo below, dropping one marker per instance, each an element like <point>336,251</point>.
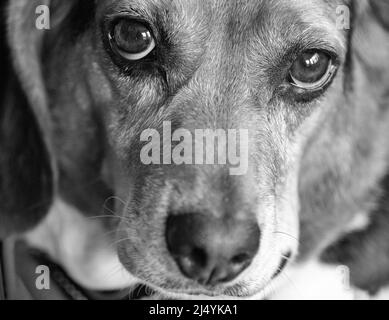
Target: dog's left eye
<point>312,70</point>
<point>131,39</point>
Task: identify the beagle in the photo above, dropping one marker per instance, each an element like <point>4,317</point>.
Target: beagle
<point>311,91</point>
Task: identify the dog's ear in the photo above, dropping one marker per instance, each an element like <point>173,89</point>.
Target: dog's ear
<point>27,161</point>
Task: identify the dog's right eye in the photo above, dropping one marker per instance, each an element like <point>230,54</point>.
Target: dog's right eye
<point>131,39</point>
<point>312,70</point>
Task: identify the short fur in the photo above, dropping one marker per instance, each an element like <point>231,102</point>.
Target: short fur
<point>316,165</point>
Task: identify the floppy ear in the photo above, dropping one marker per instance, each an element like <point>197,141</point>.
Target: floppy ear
<point>27,162</point>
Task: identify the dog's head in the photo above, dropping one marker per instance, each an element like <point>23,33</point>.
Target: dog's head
<point>124,92</point>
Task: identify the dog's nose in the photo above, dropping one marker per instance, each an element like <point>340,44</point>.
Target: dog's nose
<point>210,250</point>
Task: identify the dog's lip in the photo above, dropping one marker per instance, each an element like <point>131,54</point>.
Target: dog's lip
<point>283,264</point>
<point>285,259</point>
<point>223,293</point>
<point>194,293</point>
<point>214,292</point>
<point>201,294</point>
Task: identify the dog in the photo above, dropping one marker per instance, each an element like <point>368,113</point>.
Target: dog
<point>313,97</point>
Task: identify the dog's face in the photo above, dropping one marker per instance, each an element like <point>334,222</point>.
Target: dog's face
<point>214,65</point>
<point>276,70</point>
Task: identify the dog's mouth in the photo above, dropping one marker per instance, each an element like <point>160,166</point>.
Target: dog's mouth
<point>283,264</point>
<point>150,291</point>
<point>144,291</point>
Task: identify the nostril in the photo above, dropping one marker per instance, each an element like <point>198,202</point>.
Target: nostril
<point>192,262</point>
<point>199,257</point>
<point>241,258</point>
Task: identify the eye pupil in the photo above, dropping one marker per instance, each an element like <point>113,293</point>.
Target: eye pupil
<point>311,61</point>
<point>310,67</point>
<point>132,37</point>
<point>132,40</point>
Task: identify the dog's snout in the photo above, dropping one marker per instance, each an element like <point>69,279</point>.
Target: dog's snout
<point>211,251</point>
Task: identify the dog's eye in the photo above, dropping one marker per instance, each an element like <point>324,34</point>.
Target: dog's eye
<point>312,70</point>
<point>131,39</point>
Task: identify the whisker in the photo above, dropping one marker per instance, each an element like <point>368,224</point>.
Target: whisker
<point>293,284</point>
<point>115,243</point>
<point>105,216</point>
<point>287,234</point>
<point>108,233</point>
<point>287,258</point>
<point>115,198</point>
<point>121,219</point>
<point>111,211</point>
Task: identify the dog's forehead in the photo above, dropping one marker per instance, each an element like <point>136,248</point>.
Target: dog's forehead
<point>280,19</point>
<point>245,10</point>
